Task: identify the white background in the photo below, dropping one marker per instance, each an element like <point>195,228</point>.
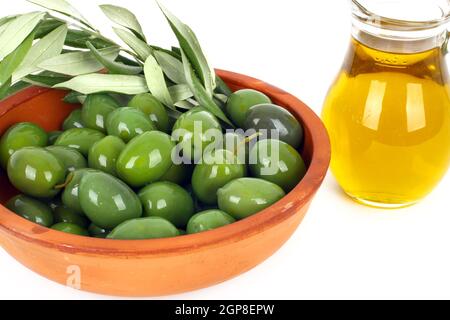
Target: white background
<point>342,249</point>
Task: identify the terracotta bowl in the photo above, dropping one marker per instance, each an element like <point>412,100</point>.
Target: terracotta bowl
<point>166,266</point>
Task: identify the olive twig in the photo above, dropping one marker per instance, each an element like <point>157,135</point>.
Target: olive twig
<point>68,180</point>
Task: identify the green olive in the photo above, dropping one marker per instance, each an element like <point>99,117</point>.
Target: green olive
<point>208,220</point>
<point>244,197</point>
<point>194,131</point>
<point>107,201</point>
<point>79,139</point>
<point>104,154</point>
<point>169,201</point>
<point>70,196</point>
<point>97,232</point>
<point>241,101</point>
<point>70,228</point>
<point>277,162</point>
<point>64,214</point>
<point>21,135</point>
<point>178,173</point>
<point>144,228</point>
<point>31,209</point>
<point>274,122</point>
<point>214,173</point>
<point>95,109</point>
<point>73,121</point>
<point>154,109</point>
<point>53,136</point>
<point>145,159</point>
<point>36,172</point>
<point>128,123</point>
<point>71,158</point>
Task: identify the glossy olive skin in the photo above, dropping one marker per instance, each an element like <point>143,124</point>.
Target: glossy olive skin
<point>144,228</point>
<point>237,144</point>
<point>70,228</point>
<point>277,162</point>
<point>103,154</point>
<point>244,197</point>
<point>36,172</point>
<point>97,232</point>
<point>32,210</point>
<point>266,118</point>
<point>128,123</point>
<point>186,136</point>
<point>73,121</point>
<point>169,201</point>
<point>79,139</point>
<point>71,158</point>
<point>95,110</point>
<point>154,109</point>
<point>70,196</point>
<point>19,136</point>
<point>217,170</point>
<point>179,174</point>
<point>107,201</point>
<point>241,101</point>
<point>145,159</point>
<point>53,136</point>
<point>64,214</point>
<point>208,220</point>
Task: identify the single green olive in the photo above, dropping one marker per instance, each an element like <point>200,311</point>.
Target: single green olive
<point>70,196</point>
<point>71,158</point>
<point>178,173</point>
<point>95,110</point>
<point>80,139</point>
<point>144,228</point>
<point>36,172</point>
<point>73,121</point>
<point>70,228</point>
<point>64,214</point>
<point>53,136</point>
<point>209,220</point>
<point>103,154</point>
<point>215,172</point>
<point>241,101</point>
<point>128,123</point>
<point>169,201</point>
<point>244,197</point>
<point>31,209</point>
<point>107,201</point>
<point>194,131</point>
<point>97,232</point>
<point>145,159</point>
<point>277,162</point>
<point>154,109</point>
<point>21,135</point>
<point>275,122</point>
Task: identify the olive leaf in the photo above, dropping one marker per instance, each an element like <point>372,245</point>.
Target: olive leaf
<point>78,63</point>
<point>49,46</point>
<point>172,67</point>
<point>5,88</point>
<point>63,7</point>
<point>185,105</point>
<point>78,39</point>
<point>142,49</point>
<point>222,87</point>
<point>200,93</point>
<point>94,83</point>
<point>110,63</point>
<point>46,26</point>
<point>124,18</point>
<point>74,97</point>
<point>192,49</point>
<point>180,92</point>
<point>45,79</point>
<point>17,30</point>
<point>7,19</point>
<point>156,82</point>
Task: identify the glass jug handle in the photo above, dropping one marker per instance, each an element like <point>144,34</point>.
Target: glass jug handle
<point>445,48</point>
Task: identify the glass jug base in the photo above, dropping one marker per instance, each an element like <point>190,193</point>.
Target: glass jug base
<point>388,205</point>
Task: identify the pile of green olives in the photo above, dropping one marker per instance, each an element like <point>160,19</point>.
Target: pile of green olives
<point>110,172</point>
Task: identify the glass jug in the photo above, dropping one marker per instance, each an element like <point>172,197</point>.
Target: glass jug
<point>388,112</point>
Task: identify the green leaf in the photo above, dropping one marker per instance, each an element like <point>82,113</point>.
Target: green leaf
<point>63,7</point>
<point>180,92</point>
<point>113,66</point>
<point>47,26</point>
<point>142,49</point>
<point>7,19</point>
<point>78,63</point>
<point>74,97</point>
<point>14,59</point>
<point>200,93</point>
<point>156,81</point>
<point>222,87</point>
<point>185,105</point>
<point>192,49</point>
<point>172,67</point>
<point>78,39</point>
<point>94,83</point>
<point>46,80</point>
<point>125,18</point>
<point>49,46</point>
<point>4,89</point>
<point>17,31</point>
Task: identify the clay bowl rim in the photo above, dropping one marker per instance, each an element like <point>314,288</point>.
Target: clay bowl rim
<point>18,227</point>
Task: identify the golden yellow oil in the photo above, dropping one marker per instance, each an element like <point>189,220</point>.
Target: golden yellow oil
<point>388,116</point>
